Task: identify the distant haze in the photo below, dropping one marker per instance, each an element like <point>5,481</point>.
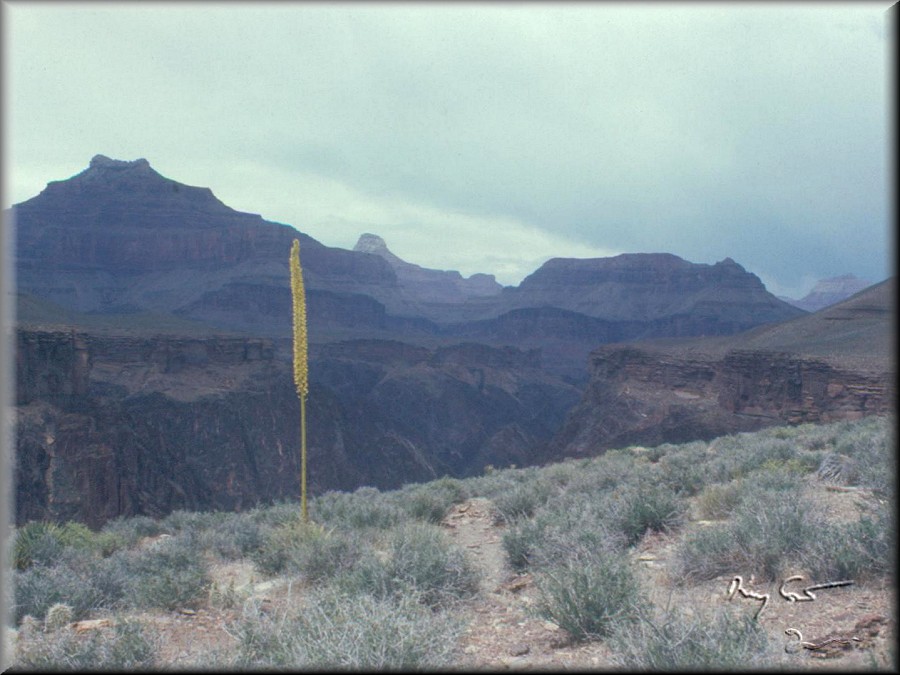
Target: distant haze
<point>485,137</point>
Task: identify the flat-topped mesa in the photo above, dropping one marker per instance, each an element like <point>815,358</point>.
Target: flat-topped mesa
<point>651,286</point>
<point>104,162</point>
<point>636,268</point>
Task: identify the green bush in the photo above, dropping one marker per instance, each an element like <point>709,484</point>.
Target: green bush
<point>367,508</point>
<point>676,640</point>
<point>307,550</point>
<point>589,592</point>
<point>170,574</point>
<point>78,579</point>
<point>418,559</point>
<point>126,646</point>
<point>130,530</point>
<point>234,537</point>
<point>43,543</point>
<point>431,501</point>
<point>568,519</point>
<point>361,632</point>
<point>522,499</point>
<point>277,513</point>
<point>718,501</point>
<point>860,550</point>
<point>769,530</point>
<point>522,540</point>
<point>191,522</point>
<point>637,509</point>
<point>683,469</point>
<point>36,543</point>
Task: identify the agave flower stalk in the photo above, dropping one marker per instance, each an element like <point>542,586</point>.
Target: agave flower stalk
<point>301,361</point>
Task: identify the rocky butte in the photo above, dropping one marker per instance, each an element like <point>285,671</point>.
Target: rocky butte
<point>153,347</point>
<point>835,364</point>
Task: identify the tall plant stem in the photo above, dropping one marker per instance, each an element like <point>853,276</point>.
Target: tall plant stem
<point>303,512</point>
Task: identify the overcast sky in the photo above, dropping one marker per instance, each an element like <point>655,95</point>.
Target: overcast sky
<point>485,137</point>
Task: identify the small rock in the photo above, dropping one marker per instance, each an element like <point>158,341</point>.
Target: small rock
<point>870,624</point>
<point>519,650</point>
<point>91,624</point>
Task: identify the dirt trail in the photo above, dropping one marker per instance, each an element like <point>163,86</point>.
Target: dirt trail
<point>503,629</point>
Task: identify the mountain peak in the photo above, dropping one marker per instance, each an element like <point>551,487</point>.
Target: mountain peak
<point>104,162</point>
<point>371,243</point>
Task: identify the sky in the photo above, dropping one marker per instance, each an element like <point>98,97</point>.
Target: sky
<point>485,137</point>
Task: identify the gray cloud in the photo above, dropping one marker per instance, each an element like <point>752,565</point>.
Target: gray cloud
<point>751,131</point>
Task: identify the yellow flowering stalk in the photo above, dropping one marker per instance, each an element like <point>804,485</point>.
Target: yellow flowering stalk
<point>301,361</point>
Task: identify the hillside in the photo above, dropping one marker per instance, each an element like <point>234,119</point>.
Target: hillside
<point>625,561</point>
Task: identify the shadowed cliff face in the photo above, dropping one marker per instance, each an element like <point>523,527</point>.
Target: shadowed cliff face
<point>840,366</point>
<point>121,425</point>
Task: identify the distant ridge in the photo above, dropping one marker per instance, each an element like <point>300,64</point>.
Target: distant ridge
<point>428,285</point>
<point>829,291</point>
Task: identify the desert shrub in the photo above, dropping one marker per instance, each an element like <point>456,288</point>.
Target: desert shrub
<point>609,471</point>
<point>126,646</point>
<point>37,543</point>
<point>78,580</point>
<point>522,539</point>
<point>431,501</point>
<point>43,543</point>
<point>194,522</point>
<point>233,537</point>
<point>872,444</point>
<point>676,640</point>
<point>307,550</point>
<point>522,499</point>
<point>563,473</point>
<point>776,475</point>
<point>838,469</point>
<point>366,508</point>
<point>274,514</point>
<point>769,529</point>
<point>132,530</point>
<point>359,632</point>
<point>738,455</point>
<point>567,519</point>
<point>589,592</point>
<point>706,554</point>
<point>169,574</point>
<point>684,468</point>
<point>863,549</point>
<point>418,559</point>
<point>638,508</point>
<point>718,500</point>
